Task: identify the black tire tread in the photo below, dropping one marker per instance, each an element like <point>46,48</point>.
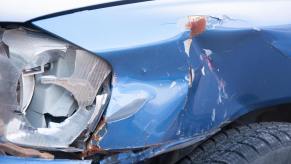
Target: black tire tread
<point>242,144</point>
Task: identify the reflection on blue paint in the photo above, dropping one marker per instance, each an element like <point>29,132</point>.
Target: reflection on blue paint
<point>154,101</point>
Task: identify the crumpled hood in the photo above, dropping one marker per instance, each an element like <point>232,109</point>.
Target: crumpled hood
<point>22,11</point>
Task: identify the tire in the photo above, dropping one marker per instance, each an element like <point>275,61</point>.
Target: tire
<point>257,143</point>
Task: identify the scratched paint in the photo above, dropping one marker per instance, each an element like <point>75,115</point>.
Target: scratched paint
<point>213,114</point>
<point>222,68</point>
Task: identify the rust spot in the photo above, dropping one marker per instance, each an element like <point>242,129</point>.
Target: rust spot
<point>11,149</point>
<point>196,25</point>
<point>93,148</point>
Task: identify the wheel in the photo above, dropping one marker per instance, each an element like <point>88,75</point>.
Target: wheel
<point>257,143</point>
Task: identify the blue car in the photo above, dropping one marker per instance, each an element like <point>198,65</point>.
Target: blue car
<point>137,81</point>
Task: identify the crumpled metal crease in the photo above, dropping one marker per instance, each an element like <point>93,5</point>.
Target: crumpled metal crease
<point>210,70</point>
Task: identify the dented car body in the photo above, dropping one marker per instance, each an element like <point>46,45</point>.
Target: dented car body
<point>126,81</point>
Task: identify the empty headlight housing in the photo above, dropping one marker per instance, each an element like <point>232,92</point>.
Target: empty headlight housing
<point>52,93</point>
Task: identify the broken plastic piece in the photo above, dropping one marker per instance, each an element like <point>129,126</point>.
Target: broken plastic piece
<point>86,79</point>
<point>38,66</point>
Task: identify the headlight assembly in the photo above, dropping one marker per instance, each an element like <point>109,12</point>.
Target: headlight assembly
<point>52,93</point>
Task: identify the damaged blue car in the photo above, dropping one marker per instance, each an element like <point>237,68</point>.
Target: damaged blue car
<point>137,81</point>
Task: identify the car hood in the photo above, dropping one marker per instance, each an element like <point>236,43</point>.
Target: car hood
<point>22,11</point>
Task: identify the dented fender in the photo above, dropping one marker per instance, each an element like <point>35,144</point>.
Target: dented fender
<point>173,83</point>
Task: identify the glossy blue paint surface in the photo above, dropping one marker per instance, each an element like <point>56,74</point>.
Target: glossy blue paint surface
<point>159,87</point>
<point>161,94</point>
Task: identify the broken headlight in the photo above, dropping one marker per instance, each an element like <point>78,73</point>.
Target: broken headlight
<point>52,93</point>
